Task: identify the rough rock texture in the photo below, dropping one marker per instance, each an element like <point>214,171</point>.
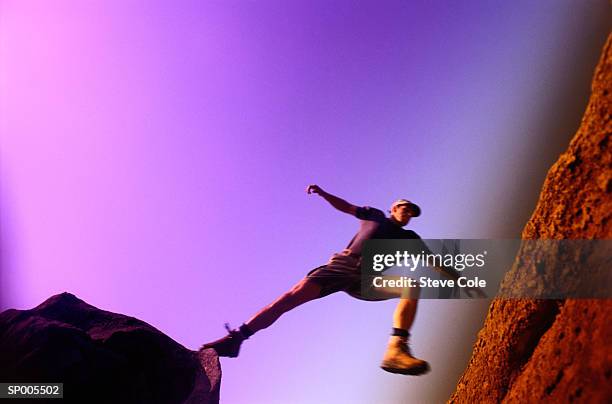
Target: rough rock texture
<point>556,350</point>
<point>102,356</point>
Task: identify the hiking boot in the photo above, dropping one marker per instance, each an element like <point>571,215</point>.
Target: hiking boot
<point>399,359</point>
<point>229,345</point>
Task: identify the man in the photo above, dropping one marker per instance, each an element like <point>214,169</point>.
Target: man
<point>342,273</point>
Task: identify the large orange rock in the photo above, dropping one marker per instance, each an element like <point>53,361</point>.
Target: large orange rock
<point>556,350</point>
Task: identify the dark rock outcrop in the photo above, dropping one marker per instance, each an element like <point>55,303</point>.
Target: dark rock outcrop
<point>556,350</point>
<point>102,356</point>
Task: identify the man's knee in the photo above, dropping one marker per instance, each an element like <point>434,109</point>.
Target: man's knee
<point>411,293</point>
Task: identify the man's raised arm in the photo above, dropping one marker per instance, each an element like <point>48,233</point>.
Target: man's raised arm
<point>338,203</point>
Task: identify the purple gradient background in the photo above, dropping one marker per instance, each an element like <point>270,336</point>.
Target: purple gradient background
<point>154,157</point>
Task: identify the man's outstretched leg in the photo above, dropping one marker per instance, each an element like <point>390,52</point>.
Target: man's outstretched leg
<point>398,358</point>
<point>304,291</point>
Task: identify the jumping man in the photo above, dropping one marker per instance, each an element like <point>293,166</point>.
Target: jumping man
<point>342,273</point>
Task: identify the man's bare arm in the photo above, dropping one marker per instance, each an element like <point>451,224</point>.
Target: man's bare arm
<point>452,273</point>
<point>338,203</point>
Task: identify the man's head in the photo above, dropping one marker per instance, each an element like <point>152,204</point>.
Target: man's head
<point>402,210</point>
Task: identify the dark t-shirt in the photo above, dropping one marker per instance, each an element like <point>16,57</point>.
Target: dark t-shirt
<point>375,225</point>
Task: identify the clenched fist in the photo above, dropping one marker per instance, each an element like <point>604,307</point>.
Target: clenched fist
<point>314,189</point>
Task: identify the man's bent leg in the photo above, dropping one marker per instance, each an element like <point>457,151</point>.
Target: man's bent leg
<point>398,358</point>
<point>304,291</point>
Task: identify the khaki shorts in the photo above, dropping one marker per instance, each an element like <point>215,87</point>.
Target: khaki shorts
<point>343,273</point>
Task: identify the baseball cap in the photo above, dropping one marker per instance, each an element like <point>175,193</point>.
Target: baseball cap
<point>415,208</point>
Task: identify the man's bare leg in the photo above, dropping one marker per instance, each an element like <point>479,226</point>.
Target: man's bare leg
<point>304,291</point>
<point>404,313</point>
